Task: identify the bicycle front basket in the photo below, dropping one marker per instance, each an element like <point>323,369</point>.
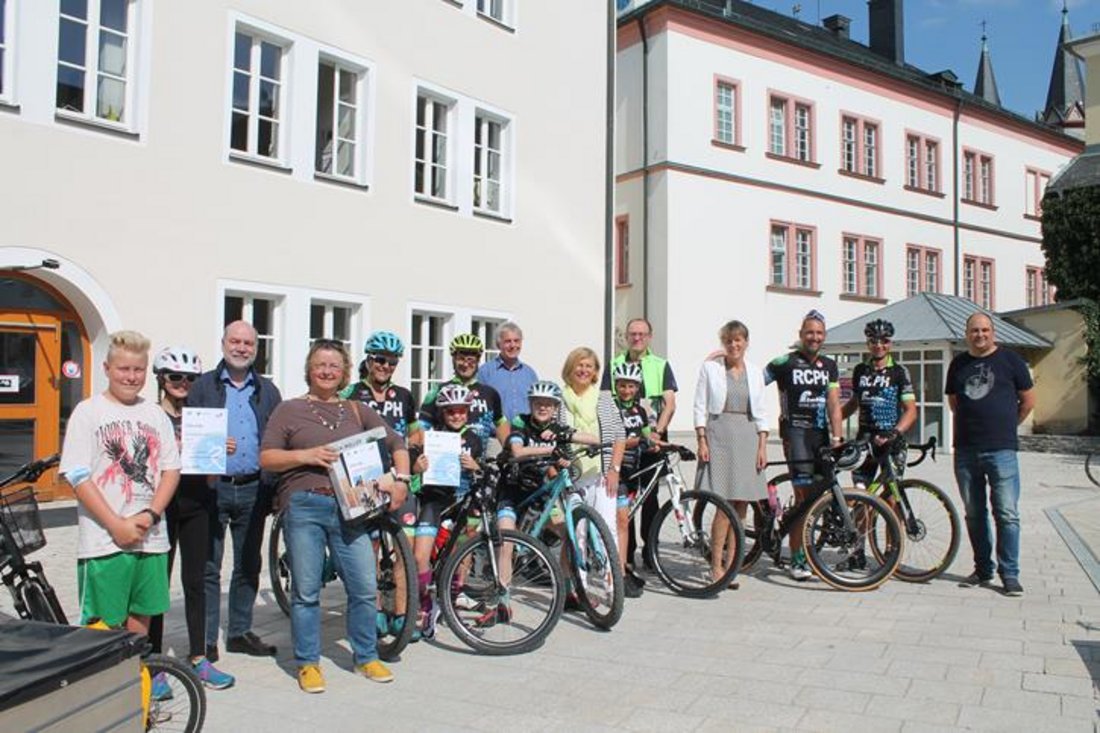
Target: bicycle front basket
<point>19,513</point>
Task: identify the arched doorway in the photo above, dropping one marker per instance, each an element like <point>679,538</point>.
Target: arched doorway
<point>44,355</point>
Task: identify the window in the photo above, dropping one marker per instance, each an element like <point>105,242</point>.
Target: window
<point>1039,290</point>
<point>1036,184</point>
<point>791,128</point>
<point>340,110</point>
<point>861,266</point>
<point>793,256</point>
<point>859,146</point>
<point>428,351</point>
<point>622,250</point>
<point>258,96</point>
<point>977,178</point>
<point>922,163</point>
<point>331,321</point>
<point>489,163</point>
<point>260,311</point>
<point>727,112</point>
<point>922,270</point>
<point>430,170</point>
<point>486,328</point>
<point>495,9</point>
<point>978,280</point>
<point>6,31</point>
<point>95,58</point>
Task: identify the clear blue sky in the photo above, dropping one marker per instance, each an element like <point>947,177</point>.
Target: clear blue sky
<point>946,34</point>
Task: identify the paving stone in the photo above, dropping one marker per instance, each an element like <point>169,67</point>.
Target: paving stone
<point>832,720</point>
<point>1023,700</point>
<point>1058,684</point>
<point>937,691</point>
<point>917,710</point>
<point>981,718</point>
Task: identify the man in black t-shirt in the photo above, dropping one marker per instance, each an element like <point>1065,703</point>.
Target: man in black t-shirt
<point>990,392</point>
<point>486,412</point>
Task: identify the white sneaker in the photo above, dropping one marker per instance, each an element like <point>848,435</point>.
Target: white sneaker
<point>799,572</point>
<point>465,603</point>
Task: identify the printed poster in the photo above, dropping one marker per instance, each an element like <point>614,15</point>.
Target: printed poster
<point>443,450</point>
<point>354,473</point>
<point>204,433</point>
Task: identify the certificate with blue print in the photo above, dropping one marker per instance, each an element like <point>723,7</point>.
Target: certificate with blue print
<point>443,450</point>
<point>204,433</point>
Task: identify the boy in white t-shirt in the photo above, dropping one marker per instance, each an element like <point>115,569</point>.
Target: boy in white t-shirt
<point>120,457</point>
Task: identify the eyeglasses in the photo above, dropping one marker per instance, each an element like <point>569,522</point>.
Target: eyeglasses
<point>466,356</point>
<point>176,377</point>
<point>380,359</point>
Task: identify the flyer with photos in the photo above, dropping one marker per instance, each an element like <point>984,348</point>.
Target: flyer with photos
<point>203,437</point>
<point>355,472</point>
<point>443,450</point>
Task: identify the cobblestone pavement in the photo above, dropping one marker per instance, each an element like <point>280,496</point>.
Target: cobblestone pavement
<point>774,655</point>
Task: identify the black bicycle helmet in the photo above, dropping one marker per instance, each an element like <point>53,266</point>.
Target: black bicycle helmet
<point>879,329</point>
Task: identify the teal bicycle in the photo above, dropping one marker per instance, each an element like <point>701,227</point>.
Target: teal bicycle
<point>589,554</point>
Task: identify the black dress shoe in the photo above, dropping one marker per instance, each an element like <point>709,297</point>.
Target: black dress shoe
<point>640,581</point>
<point>631,587</point>
<point>249,643</point>
<point>212,653</point>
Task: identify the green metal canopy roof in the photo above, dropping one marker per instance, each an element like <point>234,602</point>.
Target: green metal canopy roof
<point>932,317</point>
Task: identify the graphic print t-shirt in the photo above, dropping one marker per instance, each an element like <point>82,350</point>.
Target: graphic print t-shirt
<point>880,394</point>
<point>123,450</point>
<point>986,389</point>
<point>803,386</point>
<point>397,407</point>
<point>485,412</point>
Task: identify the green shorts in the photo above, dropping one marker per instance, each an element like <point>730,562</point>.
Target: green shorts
<point>114,587</point>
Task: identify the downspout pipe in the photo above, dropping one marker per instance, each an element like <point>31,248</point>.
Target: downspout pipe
<point>955,187</point>
<point>609,190</point>
<point>645,166</point>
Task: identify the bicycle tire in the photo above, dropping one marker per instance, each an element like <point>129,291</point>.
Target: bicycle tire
<point>542,599</point>
<point>1092,467</point>
<point>278,565</point>
<point>757,523</point>
<point>185,709</point>
<point>824,533</point>
<point>41,601</point>
<point>395,558</point>
<point>603,609</point>
<point>676,557</point>
<point>927,554</point>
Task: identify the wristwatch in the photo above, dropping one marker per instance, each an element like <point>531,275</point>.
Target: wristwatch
<point>151,513</point>
<point>402,477</point>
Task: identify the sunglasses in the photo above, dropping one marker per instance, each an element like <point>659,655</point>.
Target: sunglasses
<point>467,356</point>
<point>878,341</point>
<point>380,359</point>
<point>176,377</point>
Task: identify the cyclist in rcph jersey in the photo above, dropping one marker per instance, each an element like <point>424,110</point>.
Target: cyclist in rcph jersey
<point>809,401</point>
<point>486,414</point>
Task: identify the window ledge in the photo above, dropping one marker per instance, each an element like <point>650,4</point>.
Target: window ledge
<point>793,291</point>
<point>728,146</point>
<point>861,176</point>
<point>498,23</point>
<point>113,128</point>
<point>454,3</point>
<point>863,299</point>
<point>623,286</point>
<point>484,214</point>
<point>1033,217</point>
<point>979,204</point>
<point>6,105</point>
<point>276,165</point>
<point>925,191</point>
<point>437,203</point>
<point>340,181</point>
<point>793,161</point>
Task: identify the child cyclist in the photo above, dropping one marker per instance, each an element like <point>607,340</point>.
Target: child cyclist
<point>453,402</point>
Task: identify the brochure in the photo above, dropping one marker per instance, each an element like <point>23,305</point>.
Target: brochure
<point>355,472</point>
<point>443,450</point>
<point>202,449</point>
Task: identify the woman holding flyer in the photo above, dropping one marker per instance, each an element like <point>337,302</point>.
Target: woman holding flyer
<point>297,444</point>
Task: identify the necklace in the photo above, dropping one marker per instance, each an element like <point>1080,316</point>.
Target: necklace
<point>321,418</point>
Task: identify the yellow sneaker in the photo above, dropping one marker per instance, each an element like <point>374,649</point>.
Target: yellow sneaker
<point>310,678</point>
<point>375,671</point>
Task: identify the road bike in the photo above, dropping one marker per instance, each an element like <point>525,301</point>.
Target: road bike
<point>838,525</point>
<point>590,551</point>
<point>395,575</point>
<point>181,703</point>
<point>686,535</point>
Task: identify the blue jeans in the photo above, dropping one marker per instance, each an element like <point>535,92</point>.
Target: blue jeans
<point>313,523</point>
<point>238,509</point>
<point>999,471</point>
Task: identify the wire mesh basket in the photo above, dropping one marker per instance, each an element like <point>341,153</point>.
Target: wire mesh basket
<point>19,513</point>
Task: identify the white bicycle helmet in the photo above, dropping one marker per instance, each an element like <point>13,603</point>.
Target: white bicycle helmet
<point>454,395</point>
<point>545,389</point>
<point>628,370</point>
<point>179,359</point>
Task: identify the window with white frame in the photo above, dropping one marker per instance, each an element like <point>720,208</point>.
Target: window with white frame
<point>340,151</point>
<point>490,142</point>
<point>922,163</point>
<point>1035,185</point>
<point>332,321</point>
<point>498,10</point>
<point>6,7</point>
<point>433,142</point>
<point>1039,290</point>
<point>859,146</point>
<point>793,256</point>
<point>486,328</point>
<point>95,59</point>
<point>978,184</point>
<point>777,126</point>
<point>428,351</point>
<point>802,132</point>
<point>261,311</point>
<point>791,128</point>
<point>862,274</point>
<point>727,124</point>
<point>922,270</point>
<point>978,283</point>
<point>622,250</point>
<point>259,95</point>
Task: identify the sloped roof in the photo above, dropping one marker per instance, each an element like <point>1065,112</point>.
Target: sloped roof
<point>1066,93</point>
<point>1081,172</point>
<point>933,317</point>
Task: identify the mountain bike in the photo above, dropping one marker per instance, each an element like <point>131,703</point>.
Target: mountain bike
<point>395,576</point>
<point>838,526</point>
<point>1092,467</point>
<point>682,539</point>
<point>182,703</point>
<point>591,552</point>
<point>930,520</point>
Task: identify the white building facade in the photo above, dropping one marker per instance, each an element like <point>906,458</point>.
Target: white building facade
<point>320,169</point>
<point>766,167</point>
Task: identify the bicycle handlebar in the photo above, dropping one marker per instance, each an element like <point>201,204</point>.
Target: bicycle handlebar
<point>32,471</point>
<point>925,449</point>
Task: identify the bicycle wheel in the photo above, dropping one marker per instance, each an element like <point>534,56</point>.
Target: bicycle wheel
<point>932,534</point>
<point>684,539</point>
<point>398,600</point>
<point>1092,467</point>
<point>41,602</point>
<point>837,554</point>
<point>599,584</point>
<point>278,565</point>
<point>759,536</point>
<point>506,617</point>
<point>182,704</point>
